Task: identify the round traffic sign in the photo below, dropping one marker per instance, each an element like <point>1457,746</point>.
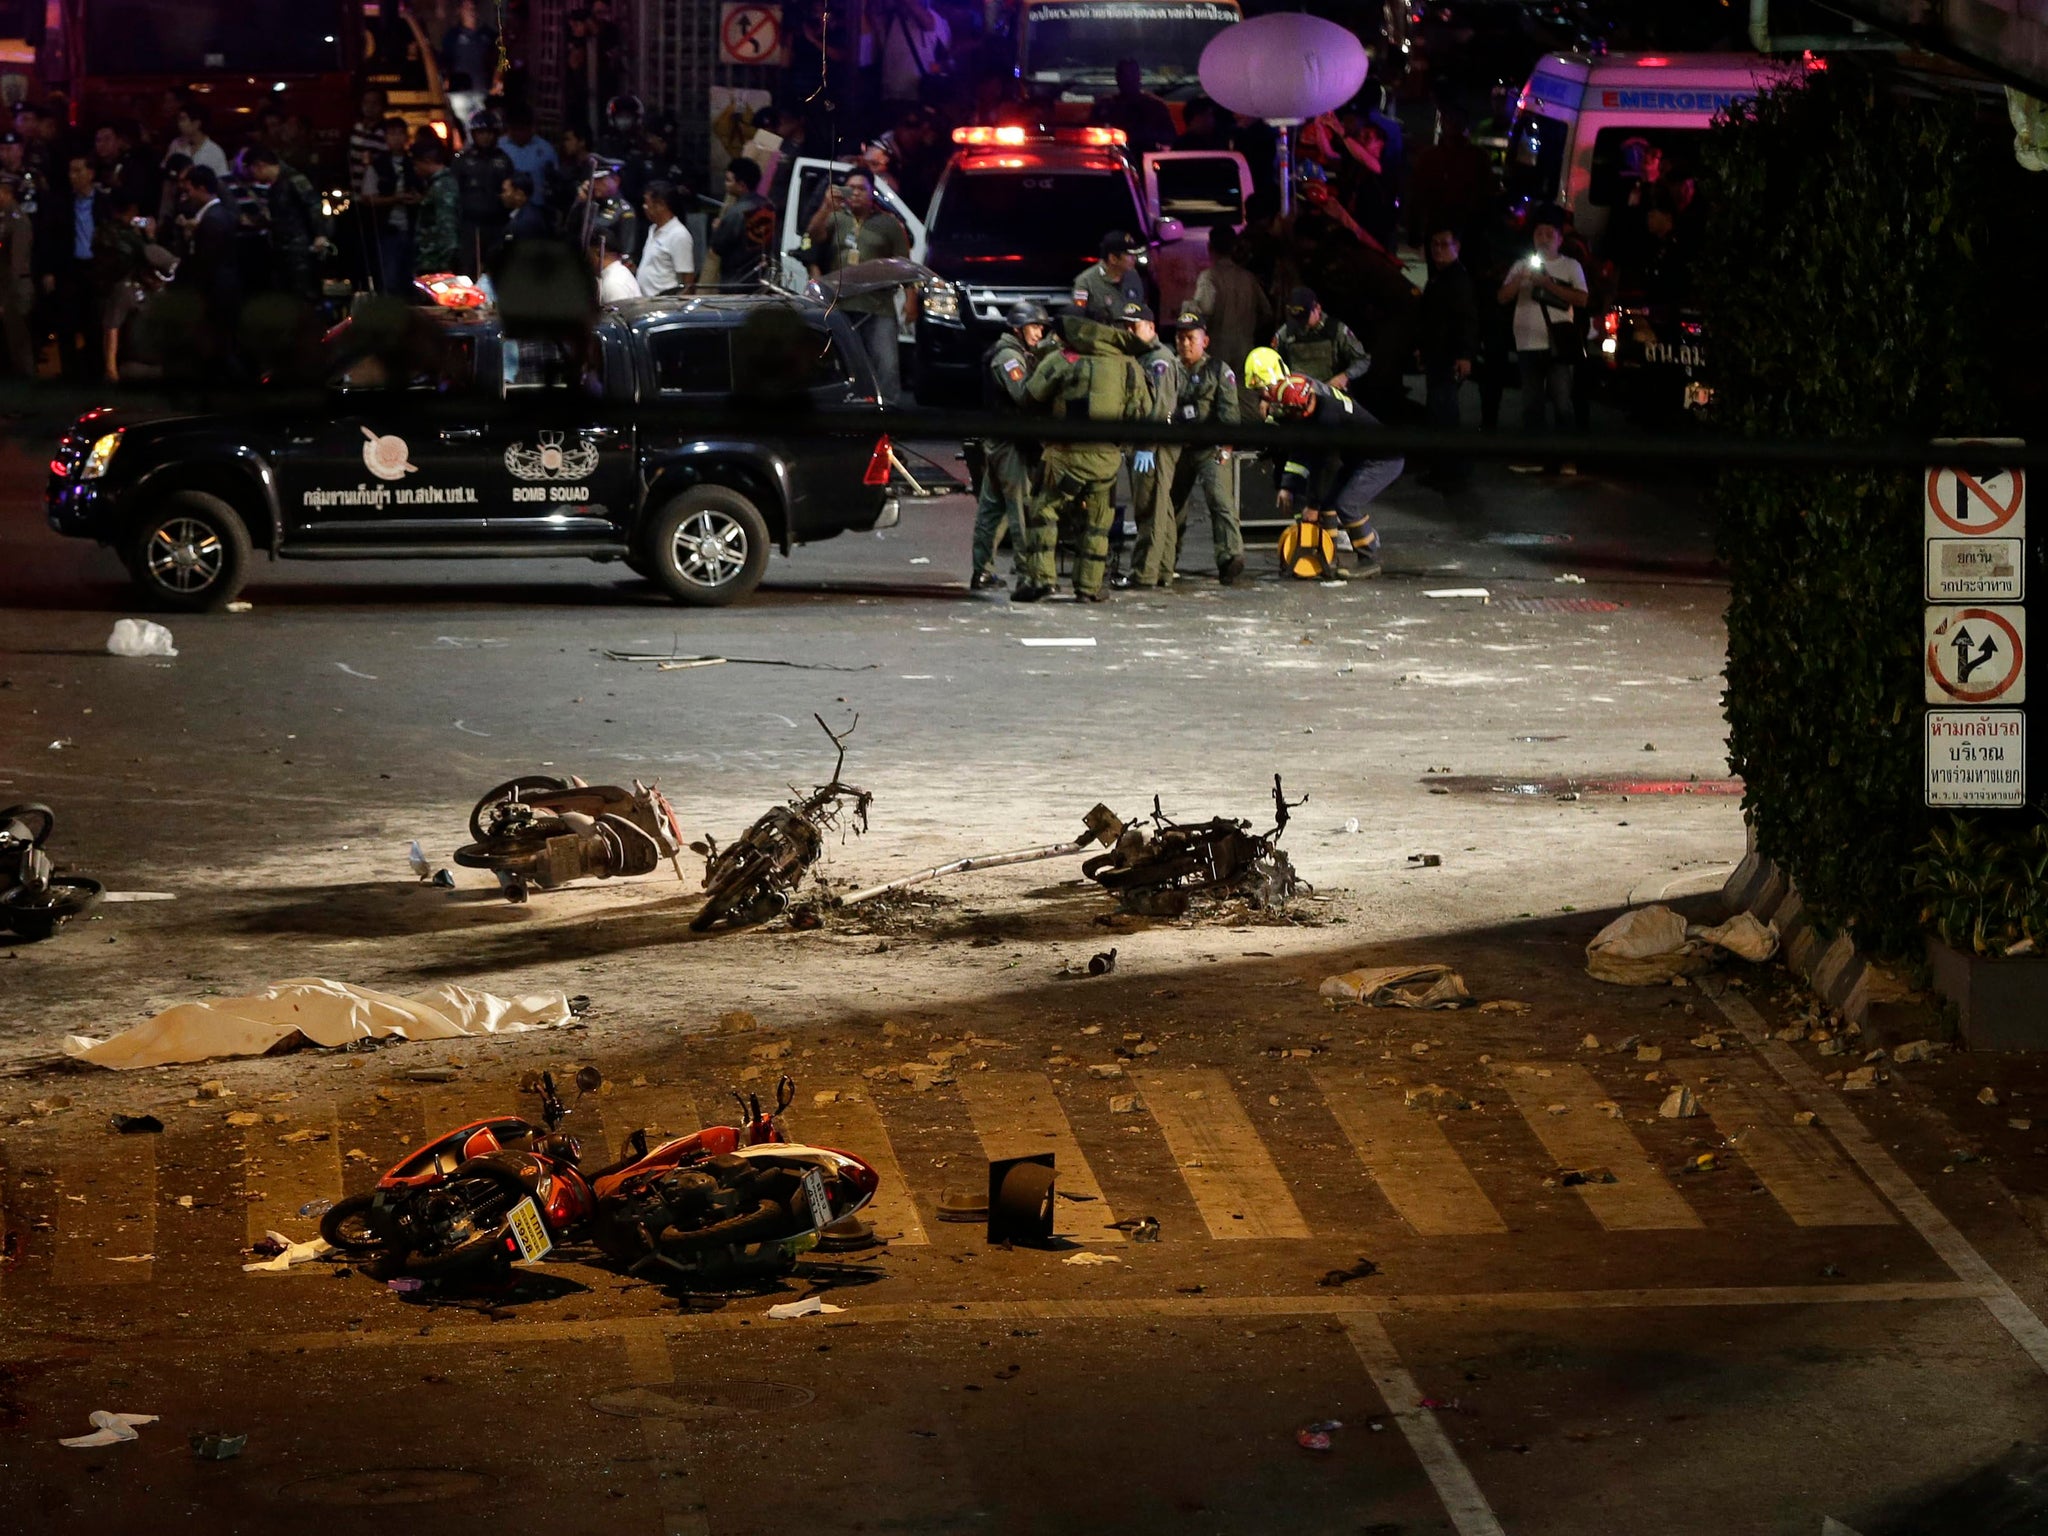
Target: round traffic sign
<point>1974,504</point>
<point>1977,655</point>
<point>752,34</point>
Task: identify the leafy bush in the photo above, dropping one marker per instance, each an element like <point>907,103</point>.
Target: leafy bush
<point>1981,890</point>
<point>1843,276</point>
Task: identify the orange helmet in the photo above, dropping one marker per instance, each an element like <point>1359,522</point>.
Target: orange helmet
<point>1295,396</point>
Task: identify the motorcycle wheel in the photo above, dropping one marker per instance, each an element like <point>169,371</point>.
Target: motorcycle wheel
<point>39,914</point>
<point>730,897</point>
<point>525,784</point>
<point>345,1230</point>
<point>40,820</point>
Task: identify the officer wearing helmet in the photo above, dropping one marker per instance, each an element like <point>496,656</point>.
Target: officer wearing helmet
<point>1006,466</point>
<point>1328,491</point>
<point>481,172</point>
<point>1312,343</point>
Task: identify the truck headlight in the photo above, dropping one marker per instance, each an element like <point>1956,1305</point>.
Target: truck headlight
<point>100,457</point>
<point>942,301</point>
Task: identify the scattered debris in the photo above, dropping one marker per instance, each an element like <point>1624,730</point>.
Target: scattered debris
<point>212,1445</point>
<point>136,1125</point>
<point>1140,1229</point>
<point>138,638</point>
<point>1643,948</point>
<point>1103,963</point>
<point>1481,593</point>
<point>1125,1103</point>
<point>1506,1005</point>
<point>923,1075</point>
<point>810,1306</point>
<point>35,901</point>
<point>1649,1053</point>
<point>243,1117</point>
<point>1706,1162</point>
<point>1434,1096</point>
<point>214,1088</point>
<point>1571,1178</point>
<point>289,1254</point>
<point>1425,860</point>
<point>1590,1043</point>
<point>1862,1080</point>
<point>309,1011</point>
<point>1106,1069</point>
<point>1399,986</point>
<point>1919,1050</point>
<point>1088,1256</point>
<point>1316,1436</point>
<point>1681,1103</point>
<point>2020,1123</point>
<point>677,662</point>
<point>1163,871</point>
<point>1077,643</point>
<point>1363,1269</point>
<point>1804,1118</point>
<point>539,831</point>
<point>1100,825</point>
<point>109,1428</point>
<point>1987,1095</point>
<point>957,1204</point>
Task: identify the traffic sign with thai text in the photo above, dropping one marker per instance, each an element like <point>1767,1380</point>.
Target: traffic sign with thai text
<point>1990,570</point>
<point>1976,758</point>
<point>1976,655</point>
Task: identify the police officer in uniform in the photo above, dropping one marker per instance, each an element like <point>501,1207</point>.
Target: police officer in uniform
<point>1312,343</point>
<point>1152,467</point>
<point>1208,392</point>
<point>481,172</point>
<point>17,280</point>
<point>1094,376</point>
<point>1006,466</point>
<point>1102,291</point>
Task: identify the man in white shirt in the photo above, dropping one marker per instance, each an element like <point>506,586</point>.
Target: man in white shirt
<point>1547,289</point>
<point>668,262</point>
<point>916,42</point>
<point>193,142</point>
<point>615,282</point>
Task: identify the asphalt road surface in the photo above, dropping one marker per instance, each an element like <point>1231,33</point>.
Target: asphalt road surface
<point>1470,1238</point>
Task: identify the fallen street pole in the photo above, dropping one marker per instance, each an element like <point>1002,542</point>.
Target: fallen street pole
<point>1103,827</point>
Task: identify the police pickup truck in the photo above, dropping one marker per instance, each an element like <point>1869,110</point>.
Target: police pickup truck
<point>514,459</point>
<point>1018,212</point>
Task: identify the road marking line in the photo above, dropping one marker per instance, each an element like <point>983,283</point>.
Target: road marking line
<point>1410,1158</point>
<point>853,1124</point>
<point>1797,1165</point>
<point>1452,1479</point>
<point>661,1112</point>
<point>1878,1166</point>
<point>1228,1170</point>
<point>1017,1114</point>
<point>118,1179</point>
<point>1125,1309</point>
<point>290,1174</point>
<point>1585,1137</point>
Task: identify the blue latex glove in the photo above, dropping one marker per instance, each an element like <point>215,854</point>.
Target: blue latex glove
<point>1143,461</point>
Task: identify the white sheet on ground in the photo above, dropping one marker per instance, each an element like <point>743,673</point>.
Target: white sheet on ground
<point>313,1011</point>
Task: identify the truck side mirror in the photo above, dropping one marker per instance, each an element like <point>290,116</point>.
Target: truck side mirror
<point>1169,230</point>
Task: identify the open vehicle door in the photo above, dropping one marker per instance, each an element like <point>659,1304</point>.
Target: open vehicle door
<point>1196,189</point>
<point>807,182</point>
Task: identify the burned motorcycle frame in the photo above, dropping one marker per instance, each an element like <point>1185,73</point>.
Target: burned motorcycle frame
<point>540,831</point>
<point>750,880</point>
<point>35,901</point>
<point>1163,869</point>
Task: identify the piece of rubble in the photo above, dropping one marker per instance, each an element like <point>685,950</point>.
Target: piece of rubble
<point>1918,1050</point>
<point>1804,1118</point>
<point>243,1117</point>
<point>825,1096</point>
<point>1609,1108</point>
<point>1590,1043</point>
<point>878,1074</point>
<point>1434,1096</point>
<point>303,1134</point>
<point>1681,1103</point>
<point>1649,1053</point>
<point>1125,1104</point>
<point>1105,1069</point>
<point>1862,1080</point>
<point>1791,1034</point>
<point>923,1075</point>
<point>737,1020</point>
<point>777,1050</point>
<point>214,1088</point>
<point>1830,1045</point>
<point>1709,1041</point>
<point>1987,1095</point>
<point>2020,1123</point>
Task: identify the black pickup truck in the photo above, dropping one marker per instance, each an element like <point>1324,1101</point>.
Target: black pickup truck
<point>544,466</point>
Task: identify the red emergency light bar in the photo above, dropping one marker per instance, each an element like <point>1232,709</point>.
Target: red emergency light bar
<point>1010,135</point>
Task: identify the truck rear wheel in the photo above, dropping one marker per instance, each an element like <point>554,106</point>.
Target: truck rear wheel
<point>190,553</point>
<point>708,547</point>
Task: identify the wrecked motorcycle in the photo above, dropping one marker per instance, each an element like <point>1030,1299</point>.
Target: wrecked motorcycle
<point>543,831</point>
<point>749,880</point>
<point>1160,872</point>
<point>729,1200</point>
<point>486,1193</point>
<point>35,901</point>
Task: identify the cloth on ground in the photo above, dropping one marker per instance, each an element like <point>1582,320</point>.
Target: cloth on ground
<point>1399,986</point>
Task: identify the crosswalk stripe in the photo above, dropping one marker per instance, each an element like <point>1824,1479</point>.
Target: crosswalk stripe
<point>660,1111</point>
<point>1796,1163</point>
<point>1586,1138</point>
<point>290,1174</point>
<point>852,1124</point>
<point>1017,1114</point>
<point>1227,1169</point>
<point>118,1180</point>
<point>1410,1158</point>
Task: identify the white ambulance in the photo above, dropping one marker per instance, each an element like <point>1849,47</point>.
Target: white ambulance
<point>1586,125</point>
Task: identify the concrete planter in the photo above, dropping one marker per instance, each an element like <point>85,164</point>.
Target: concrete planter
<point>2002,1004</point>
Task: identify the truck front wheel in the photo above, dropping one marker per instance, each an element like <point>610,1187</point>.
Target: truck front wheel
<point>190,553</point>
<point>708,547</point>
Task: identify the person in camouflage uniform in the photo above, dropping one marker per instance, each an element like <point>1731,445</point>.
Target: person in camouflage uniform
<point>1094,376</point>
<point>1312,343</point>
<point>437,229</point>
<point>1152,467</point>
<point>1006,466</point>
<point>298,229</point>
<point>1208,392</point>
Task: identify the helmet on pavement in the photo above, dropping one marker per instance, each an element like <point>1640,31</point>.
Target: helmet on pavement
<point>486,121</point>
<point>1263,369</point>
<point>1294,397</point>
<point>1027,312</point>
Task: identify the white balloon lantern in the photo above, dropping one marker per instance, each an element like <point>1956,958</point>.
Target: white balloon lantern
<point>1283,69</point>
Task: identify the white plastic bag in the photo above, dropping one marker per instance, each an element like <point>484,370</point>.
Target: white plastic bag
<point>1644,948</point>
<point>139,637</point>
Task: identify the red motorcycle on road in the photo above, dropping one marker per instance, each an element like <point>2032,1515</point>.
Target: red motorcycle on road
<point>722,1200</point>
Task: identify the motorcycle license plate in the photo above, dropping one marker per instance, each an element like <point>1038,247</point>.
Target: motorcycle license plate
<point>814,1192</point>
<point>529,1232</point>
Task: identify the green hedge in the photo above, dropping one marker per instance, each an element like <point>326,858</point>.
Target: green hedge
<point>1844,278</point>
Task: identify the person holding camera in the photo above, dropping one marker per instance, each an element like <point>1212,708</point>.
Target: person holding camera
<point>1547,289</point>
